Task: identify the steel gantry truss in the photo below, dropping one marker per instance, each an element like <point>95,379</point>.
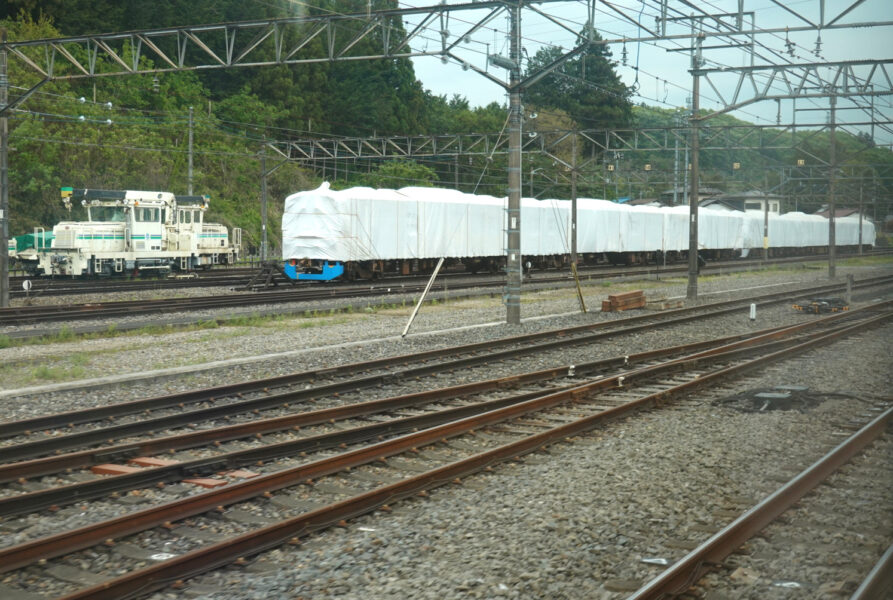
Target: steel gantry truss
<point>855,78</point>
<point>594,166</point>
<point>644,139</point>
<point>287,41</point>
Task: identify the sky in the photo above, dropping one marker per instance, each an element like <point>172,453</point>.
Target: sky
<point>662,77</point>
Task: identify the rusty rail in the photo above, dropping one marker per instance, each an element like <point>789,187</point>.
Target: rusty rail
<point>84,537</point>
<point>195,396</point>
<point>62,495</point>
<point>684,573</point>
<point>216,555</point>
<point>878,581</point>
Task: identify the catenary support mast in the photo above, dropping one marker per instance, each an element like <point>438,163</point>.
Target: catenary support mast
<point>693,203</point>
<point>513,233</point>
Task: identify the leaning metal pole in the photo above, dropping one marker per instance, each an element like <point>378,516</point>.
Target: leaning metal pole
<point>513,226</point>
<point>424,295</point>
<point>693,204</point>
<point>4,177</point>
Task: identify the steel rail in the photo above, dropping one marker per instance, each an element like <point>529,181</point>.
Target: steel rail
<point>221,320</point>
<point>105,434</point>
<point>202,467</point>
<point>65,542</point>
<point>879,580</point>
<point>66,312</point>
<point>55,287</point>
<point>146,580</point>
<point>193,396</point>
<point>308,292</point>
<point>58,286</point>
<point>43,466</point>
<point>225,276</point>
<point>68,494</point>
<point>95,310</point>
<point>688,570</point>
<point>52,464</point>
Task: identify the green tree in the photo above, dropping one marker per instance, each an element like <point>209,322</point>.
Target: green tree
<point>585,87</point>
<point>396,174</point>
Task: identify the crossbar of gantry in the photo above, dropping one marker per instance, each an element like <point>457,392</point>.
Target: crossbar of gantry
<point>645,139</point>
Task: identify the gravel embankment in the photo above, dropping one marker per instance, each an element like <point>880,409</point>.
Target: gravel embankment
<point>571,523</point>
<point>302,338</point>
<point>576,523</point>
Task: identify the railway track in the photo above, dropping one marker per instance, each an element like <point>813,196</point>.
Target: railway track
<point>65,286</point>
<point>110,310</point>
<point>456,436</point>
<point>238,277</point>
<point>463,357</point>
<point>705,567</point>
<point>258,394</point>
<point>58,451</point>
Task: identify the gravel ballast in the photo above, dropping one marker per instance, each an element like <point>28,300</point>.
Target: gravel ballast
<point>577,521</point>
<point>573,522</point>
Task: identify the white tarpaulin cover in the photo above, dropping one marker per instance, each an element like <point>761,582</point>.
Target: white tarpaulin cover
<point>367,224</point>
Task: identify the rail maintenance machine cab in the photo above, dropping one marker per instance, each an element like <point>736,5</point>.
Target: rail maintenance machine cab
<point>131,232</point>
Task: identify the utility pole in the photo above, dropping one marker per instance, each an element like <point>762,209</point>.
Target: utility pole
<point>263,202</point>
<point>4,176</point>
<point>513,232</point>
<point>189,171</point>
<point>676,122</point>
<point>765,228</point>
<point>685,178</point>
<point>693,204</point>
<point>456,172</point>
<point>832,183</point>
<point>574,202</point>
<point>860,217</point>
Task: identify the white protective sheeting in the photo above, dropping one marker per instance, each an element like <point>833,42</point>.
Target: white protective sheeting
<point>846,231</point>
<point>368,224</point>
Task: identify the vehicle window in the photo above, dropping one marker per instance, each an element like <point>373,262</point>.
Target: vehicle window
<point>105,214</point>
<point>147,215</point>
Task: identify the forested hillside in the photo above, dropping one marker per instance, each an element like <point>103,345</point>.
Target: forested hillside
<point>131,132</point>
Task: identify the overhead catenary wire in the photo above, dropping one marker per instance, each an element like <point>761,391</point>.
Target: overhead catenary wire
<point>638,95</point>
<point>331,135</point>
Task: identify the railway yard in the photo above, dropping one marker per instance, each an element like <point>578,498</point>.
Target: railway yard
<point>487,300</point>
<point>308,450</point>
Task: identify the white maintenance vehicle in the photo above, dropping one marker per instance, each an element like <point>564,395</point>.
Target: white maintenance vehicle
<point>133,232</point>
